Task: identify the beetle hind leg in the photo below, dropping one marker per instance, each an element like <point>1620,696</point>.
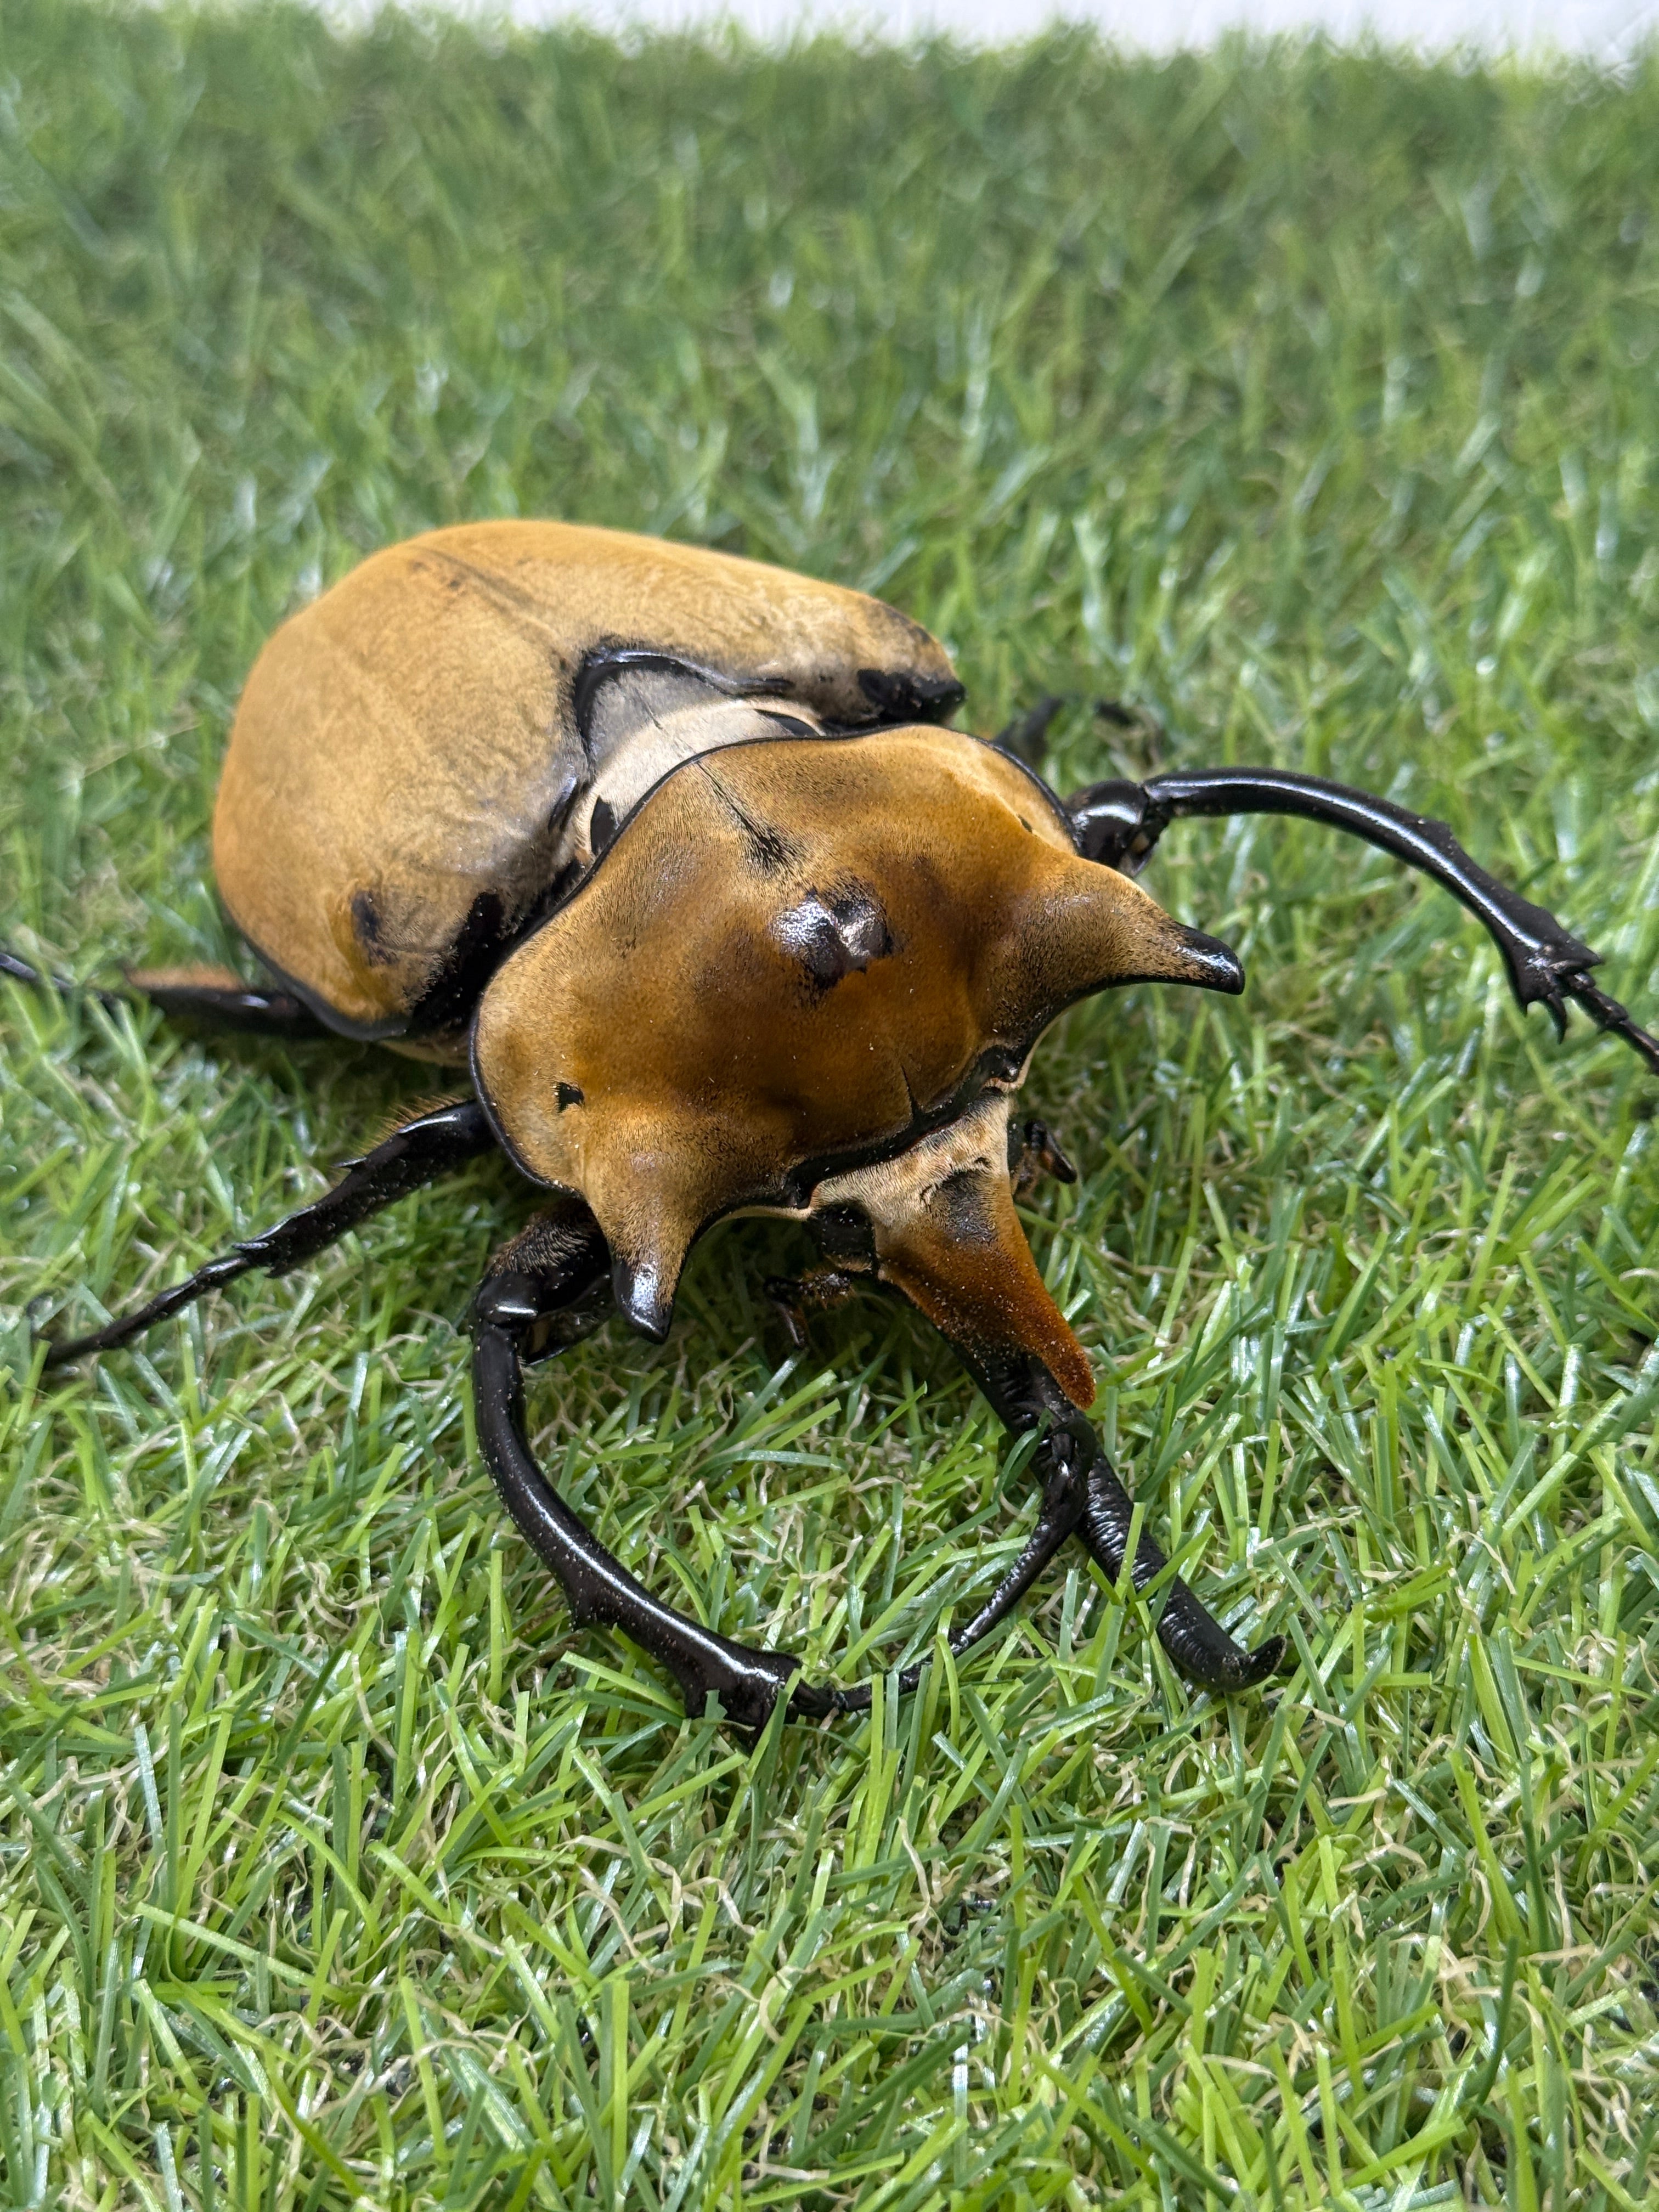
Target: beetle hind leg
<point>221,997</point>
<point>14,969</point>
<point>215,995</point>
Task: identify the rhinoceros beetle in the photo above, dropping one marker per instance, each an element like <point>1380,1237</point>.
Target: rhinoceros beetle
<point>676,852</point>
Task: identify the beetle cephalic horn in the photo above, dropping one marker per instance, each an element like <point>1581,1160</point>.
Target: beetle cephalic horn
<point>943,1222</point>
<point>964,1260</point>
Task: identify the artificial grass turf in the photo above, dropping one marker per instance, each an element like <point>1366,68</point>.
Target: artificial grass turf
<point>1307,403</point>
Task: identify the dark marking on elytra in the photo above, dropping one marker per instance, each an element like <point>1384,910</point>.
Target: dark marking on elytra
<point>899,696</point>
<point>369,930</point>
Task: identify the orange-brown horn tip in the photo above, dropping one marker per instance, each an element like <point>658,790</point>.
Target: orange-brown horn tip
<point>967,1265</point>
<point>1068,1363</point>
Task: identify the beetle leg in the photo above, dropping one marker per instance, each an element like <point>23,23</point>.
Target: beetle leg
<point>816,1290</point>
<point>1027,736</point>
<point>1025,1395</point>
<point>1033,1152</point>
<point>216,994</point>
<point>1065,1503</point>
<point>18,970</point>
<point>518,1309</point>
<point>418,1153</point>
<point>1119,822</point>
<point>542,1291</point>
<point>219,996</point>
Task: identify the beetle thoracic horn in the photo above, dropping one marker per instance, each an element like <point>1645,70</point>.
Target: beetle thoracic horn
<point>1083,929</point>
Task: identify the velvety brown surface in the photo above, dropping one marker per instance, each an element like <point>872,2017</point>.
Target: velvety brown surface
<point>404,744</point>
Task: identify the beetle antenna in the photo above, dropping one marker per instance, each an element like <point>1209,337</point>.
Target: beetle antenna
<point>421,1151</point>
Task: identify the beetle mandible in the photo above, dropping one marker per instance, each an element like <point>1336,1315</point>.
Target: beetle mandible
<point>676,852</point>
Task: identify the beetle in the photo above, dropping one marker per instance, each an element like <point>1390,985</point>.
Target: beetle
<point>678,854</point>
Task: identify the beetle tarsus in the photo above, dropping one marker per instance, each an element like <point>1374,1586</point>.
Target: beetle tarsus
<point>63,987</point>
<point>1024,1396</point>
<point>1065,1501</point>
<point>419,1152</point>
<point>1608,1014</point>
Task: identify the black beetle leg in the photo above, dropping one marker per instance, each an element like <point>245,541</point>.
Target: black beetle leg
<point>518,1310</point>
<point>18,970</point>
<point>1119,823</point>
<point>538,1297</point>
<point>1025,1395</point>
<point>1027,736</point>
<point>215,994</point>
<point>1033,1152</point>
<point>418,1153</point>
<point>1065,1502</point>
<point>219,996</point>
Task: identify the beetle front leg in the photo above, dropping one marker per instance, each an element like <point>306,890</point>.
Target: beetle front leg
<point>815,1289</point>
<point>1065,1503</point>
<point>532,1309</point>
<point>1119,822</point>
<point>1025,1396</point>
<point>1033,1152</point>
<point>544,1289</point>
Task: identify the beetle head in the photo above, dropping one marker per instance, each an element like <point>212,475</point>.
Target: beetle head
<point>806,962</point>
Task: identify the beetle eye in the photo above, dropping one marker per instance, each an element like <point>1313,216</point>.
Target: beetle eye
<point>833,932</point>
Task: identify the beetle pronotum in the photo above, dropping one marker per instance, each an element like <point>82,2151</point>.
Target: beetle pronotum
<point>673,851</point>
